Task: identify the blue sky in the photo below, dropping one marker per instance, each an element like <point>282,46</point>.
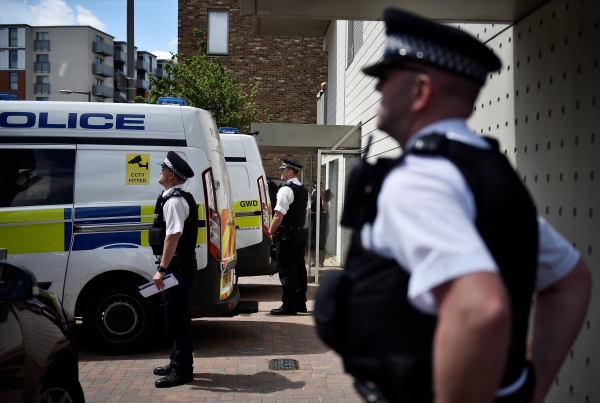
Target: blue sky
<point>155,20</point>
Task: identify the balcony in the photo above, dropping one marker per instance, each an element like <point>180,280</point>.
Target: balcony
<point>120,81</point>
<point>102,91</point>
<point>120,96</point>
<point>41,46</point>
<point>102,69</point>
<point>103,48</point>
<point>120,56</point>
<point>141,65</point>
<point>142,84</point>
<point>41,67</point>
<point>41,88</point>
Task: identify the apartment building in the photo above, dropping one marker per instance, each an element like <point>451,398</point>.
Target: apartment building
<point>145,65</point>
<point>37,62</point>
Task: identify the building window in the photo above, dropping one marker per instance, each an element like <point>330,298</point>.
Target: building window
<point>355,39</point>
<point>42,58</point>
<point>97,60</point>
<point>42,80</point>
<point>41,99</point>
<point>98,38</point>
<point>218,32</point>
<point>13,55</point>
<point>14,83</point>
<point>42,36</point>
<point>98,81</point>
<point>13,37</point>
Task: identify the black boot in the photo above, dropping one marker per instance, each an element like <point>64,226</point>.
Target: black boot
<point>166,370</point>
<point>174,379</point>
<point>283,311</point>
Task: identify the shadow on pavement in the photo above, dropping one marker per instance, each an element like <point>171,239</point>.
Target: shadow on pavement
<point>224,338</point>
<point>261,382</point>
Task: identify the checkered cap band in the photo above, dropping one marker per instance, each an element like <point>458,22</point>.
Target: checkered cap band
<point>428,52</point>
<point>173,169</point>
<point>288,165</point>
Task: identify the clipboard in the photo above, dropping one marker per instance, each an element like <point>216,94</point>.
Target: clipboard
<point>150,288</point>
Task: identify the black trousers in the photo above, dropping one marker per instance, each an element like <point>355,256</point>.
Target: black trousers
<point>292,269</point>
<point>177,314</point>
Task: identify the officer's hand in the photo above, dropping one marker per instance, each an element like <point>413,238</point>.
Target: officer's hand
<point>158,280</point>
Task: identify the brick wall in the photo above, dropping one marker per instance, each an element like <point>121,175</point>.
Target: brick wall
<point>5,83</point>
<point>289,69</point>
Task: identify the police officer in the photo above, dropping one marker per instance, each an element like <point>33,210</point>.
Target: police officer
<point>176,223</point>
<point>460,228</point>
<point>288,226</point>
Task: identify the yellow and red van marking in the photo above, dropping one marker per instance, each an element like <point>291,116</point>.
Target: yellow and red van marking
<point>227,235</point>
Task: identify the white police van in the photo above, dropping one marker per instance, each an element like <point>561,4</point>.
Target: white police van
<point>79,185</point>
<point>251,203</point>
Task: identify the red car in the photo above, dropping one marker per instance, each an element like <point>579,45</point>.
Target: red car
<point>38,360</point>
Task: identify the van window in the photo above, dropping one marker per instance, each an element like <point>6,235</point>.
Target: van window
<point>32,177</point>
<point>240,182</point>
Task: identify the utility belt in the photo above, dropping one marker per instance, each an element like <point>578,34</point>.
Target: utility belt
<point>284,233</point>
<point>520,391</point>
<point>180,263</point>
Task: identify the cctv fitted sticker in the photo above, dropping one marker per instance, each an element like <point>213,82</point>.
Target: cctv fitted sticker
<point>137,169</point>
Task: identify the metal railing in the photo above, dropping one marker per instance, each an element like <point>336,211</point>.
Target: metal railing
<point>103,48</point>
<point>120,80</point>
<point>120,56</point>
<point>142,84</point>
<point>41,88</point>
<point>41,46</point>
<point>102,69</point>
<point>102,91</point>
<point>141,65</point>
<point>41,67</point>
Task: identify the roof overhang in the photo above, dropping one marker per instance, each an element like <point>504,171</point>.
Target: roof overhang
<point>312,17</point>
<point>281,138</point>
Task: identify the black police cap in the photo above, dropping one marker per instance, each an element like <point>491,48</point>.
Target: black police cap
<point>410,37</point>
<point>290,163</point>
<point>177,165</point>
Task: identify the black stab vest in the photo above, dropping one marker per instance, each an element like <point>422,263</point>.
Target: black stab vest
<point>186,246</point>
<point>296,214</point>
<point>363,312</point>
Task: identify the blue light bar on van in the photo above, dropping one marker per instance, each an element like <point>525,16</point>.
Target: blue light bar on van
<point>231,130</point>
<point>171,101</point>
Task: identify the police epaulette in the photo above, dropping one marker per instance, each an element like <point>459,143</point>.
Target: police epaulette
<point>176,193</point>
<point>430,144</point>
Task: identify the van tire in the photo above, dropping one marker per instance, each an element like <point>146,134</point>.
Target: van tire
<point>118,320</point>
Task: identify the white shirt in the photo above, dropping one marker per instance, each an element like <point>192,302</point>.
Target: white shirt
<point>285,197</point>
<point>175,211</point>
<point>426,222</point>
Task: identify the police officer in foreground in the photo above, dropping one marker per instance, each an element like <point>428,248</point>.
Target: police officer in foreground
<point>456,243</point>
<point>173,236</point>
<point>288,227</point>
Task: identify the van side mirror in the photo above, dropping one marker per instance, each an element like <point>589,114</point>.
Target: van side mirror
<point>16,283</point>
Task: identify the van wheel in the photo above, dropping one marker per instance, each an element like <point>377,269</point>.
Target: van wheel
<point>118,320</point>
<point>61,385</point>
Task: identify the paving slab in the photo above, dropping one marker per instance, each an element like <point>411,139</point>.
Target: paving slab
<point>231,359</point>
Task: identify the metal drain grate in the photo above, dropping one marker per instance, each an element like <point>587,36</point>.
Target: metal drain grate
<point>283,364</point>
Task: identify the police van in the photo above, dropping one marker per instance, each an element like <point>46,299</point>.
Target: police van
<point>79,185</point>
<point>251,203</point>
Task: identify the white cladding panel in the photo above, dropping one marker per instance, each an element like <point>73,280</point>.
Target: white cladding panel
<point>21,61</point>
<point>3,37</point>
<point>558,79</point>
<point>4,59</point>
<point>21,37</point>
